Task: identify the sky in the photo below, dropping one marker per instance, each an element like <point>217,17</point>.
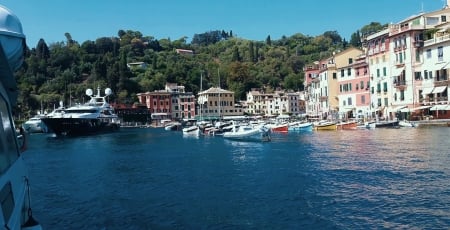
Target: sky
<point>175,19</point>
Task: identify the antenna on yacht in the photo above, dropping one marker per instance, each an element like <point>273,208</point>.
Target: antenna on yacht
<point>108,91</point>
<point>89,92</point>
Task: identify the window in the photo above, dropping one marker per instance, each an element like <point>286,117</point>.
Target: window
<point>425,74</point>
<point>363,99</point>
<point>385,88</point>
<point>428,53</point>
<point>378,72</point>
<point>384,71</point>
<point>334,75</point>
<point>440,53</point>
<point>418,75</point>
<point>349,101</point>
<point>443,18</point>
<point>342,72</point>
<point>350,60</point>
<point>362,84</point>
<point>8,151</point>
<point>378,88</point>
<point>349,71</point>
<point>402,95</point>
<point>386,102</point>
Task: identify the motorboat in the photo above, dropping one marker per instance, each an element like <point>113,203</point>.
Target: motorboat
<point>193,130</point>
<point>279,128</point>
<point>173,126</point>
<point>325,125</point>
<point>248,133</point>
<point>300,126</point>
<point>95,116</point>
<point>15,195</point>
<point>387,124</point>
<point>347,125</point>
<point>405,123</point>
<point>35,124</point>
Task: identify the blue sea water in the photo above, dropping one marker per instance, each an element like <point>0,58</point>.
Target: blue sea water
<point>146,178</point>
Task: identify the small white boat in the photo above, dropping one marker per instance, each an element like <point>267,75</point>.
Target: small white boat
<point>406,124</point>
<point>173,126</point>
<point>248,133</point>
<point>366,125</point>
<point>300,126</point>
<point>193,130</point>
<point>35,125</point>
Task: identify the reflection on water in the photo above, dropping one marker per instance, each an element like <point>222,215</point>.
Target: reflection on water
<point>157,179</point>
<point>391,173</point>
<point>245,151</point>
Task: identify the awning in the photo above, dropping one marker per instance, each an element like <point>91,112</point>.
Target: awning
<point>421,107</point>
<point>426,91</point>
<point>441,65</point>
<point>440,107</point>
<point>439,89</point>
<point>345,110</point>
<point>405,110</point>
<point>395,109</point>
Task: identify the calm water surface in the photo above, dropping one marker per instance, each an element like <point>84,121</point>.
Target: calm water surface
<point>157,179</point>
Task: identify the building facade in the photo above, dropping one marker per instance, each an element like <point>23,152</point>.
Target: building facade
<point>215,103</point>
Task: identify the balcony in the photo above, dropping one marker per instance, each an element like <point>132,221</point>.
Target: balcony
<point>435,101</point>
<point>399,64</point>
<point>400,84</point>
<point>418,44</point>
<point>441,83</point>
<point>437,40</point>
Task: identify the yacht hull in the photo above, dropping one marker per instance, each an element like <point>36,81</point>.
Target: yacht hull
<point>79,126</point>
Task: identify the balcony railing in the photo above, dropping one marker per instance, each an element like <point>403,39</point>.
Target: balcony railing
<point>434,100</point>
<point>436,40</point>
<point>400,84</point>
<point>442,83</point>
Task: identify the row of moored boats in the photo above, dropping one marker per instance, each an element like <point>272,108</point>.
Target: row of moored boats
<point>259,130</point>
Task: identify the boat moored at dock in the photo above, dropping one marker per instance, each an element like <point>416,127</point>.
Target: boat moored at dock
<point>326,125</point>
<point>95,116</point>
<point>246,132</point>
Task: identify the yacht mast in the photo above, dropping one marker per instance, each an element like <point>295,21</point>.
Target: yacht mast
<point>220,102</point>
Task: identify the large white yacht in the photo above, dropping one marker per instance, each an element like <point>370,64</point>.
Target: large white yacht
<point>95,116</point>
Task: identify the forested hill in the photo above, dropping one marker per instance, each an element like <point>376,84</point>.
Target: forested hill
<point>63,71</point>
